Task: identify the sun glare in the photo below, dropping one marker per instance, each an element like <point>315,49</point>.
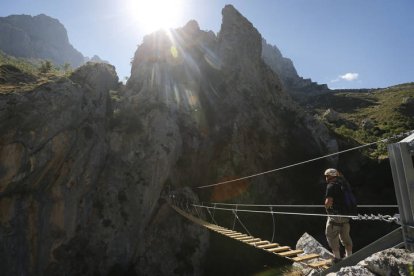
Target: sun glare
<point>152,15</point>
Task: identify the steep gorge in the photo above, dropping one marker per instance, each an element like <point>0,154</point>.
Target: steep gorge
<point>87,162</point>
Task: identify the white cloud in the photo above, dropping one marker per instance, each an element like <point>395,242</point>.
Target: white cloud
<point>350,76</point>
<point>346,77</point>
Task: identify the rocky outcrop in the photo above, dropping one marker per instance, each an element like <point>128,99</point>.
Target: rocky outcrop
<point>388,262</point>
<point>10,74</point>
<point>353,270</point>
<point>309,245</point>
<point>95,58</point>
<point>295,85</point>
<point>38,37</point>
<point>86,164</point>
<point>282,66</point>
<point>52,149</point>
<point>203,109</point>
<point>331,116</point>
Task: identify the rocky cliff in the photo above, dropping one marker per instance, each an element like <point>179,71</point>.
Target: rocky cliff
<point>52,150</point>
<point>86,163</point>
<point>295,85</point>
<point>392,261</point>
<point>38,37</point>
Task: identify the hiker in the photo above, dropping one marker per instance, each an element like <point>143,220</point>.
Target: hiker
<point>337,228</point>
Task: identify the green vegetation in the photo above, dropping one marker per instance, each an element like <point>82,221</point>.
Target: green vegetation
<point>115,95</point>
<point>45,66</point>
<point>367,117</point>
<point>35,66</point>
<point>25,74</point>
<point>23,64</point>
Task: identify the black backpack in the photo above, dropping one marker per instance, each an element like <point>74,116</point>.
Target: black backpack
<point>350,203</point>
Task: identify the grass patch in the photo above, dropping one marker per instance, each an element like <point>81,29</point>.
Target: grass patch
<point>20,74</point>
<point>388,111</point>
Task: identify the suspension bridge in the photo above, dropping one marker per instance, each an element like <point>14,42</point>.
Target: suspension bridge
<point>400,155</point>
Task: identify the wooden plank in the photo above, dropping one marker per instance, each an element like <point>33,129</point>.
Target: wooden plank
<point>278,249</point>
<point>210,227</point>
<point>237,235</point>
<point>216,228</point>
<point>320,264</point>
<point>260,243</point>
<point>234,235</point>
<point>270,245</point>
<point>305,257</point>
<point>243,238</point>
<point>252,240</point>
<point>216,225</point>
<point>291,253</point>
<point>266,245</point>
<point>226,231</point>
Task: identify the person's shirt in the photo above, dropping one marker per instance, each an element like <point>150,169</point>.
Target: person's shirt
<point>333,190</point>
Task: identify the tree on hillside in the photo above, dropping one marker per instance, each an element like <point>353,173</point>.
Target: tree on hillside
<point>66,67</point>
<point>46,66</point>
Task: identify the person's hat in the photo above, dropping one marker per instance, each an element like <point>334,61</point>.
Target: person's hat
<point>331,172</point>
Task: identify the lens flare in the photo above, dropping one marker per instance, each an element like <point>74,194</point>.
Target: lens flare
<point>230,191</point>
<point>156,14</point>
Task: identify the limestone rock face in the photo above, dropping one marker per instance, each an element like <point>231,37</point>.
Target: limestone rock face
<point>9,74</point>
<point>331,116</point>
<point>387,262</point>
<point>352,270</point>
<point>52,147</point>
<point>309,244</point>
<point>295,85</point>
<point>203,109</point>
<point>37,37</point>
<point>239,41</point>
<point>86,165</point>
<point>95,58</point>
<point>282,66</point>
<point>390,262</point>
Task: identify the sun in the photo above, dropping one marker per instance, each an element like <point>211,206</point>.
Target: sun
<point>152,15</point>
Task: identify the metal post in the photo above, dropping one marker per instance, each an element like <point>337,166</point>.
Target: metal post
<point>400,155</point>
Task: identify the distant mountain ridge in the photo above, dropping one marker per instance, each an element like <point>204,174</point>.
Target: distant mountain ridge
<point>297,86</point>
<point>39,36</point>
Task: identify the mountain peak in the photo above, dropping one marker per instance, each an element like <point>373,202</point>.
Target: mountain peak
<point>238,38</point>
<point>39,36</point>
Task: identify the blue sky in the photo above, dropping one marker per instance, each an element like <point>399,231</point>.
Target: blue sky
<point>345,44</point>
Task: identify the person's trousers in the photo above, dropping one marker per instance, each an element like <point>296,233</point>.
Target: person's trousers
<point>338,229</point>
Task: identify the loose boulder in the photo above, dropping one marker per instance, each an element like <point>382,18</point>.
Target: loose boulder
<point>331,115</point>
<point>390,262</point>
<point>309,244</point>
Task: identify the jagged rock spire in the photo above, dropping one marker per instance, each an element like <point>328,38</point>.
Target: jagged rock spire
<point>238,38</point>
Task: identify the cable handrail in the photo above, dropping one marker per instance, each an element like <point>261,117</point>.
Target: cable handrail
<point>372,217</point>
<point>308,161</point>
<point>297,205</point>
<point>275,212</point>
<point>387,218</point>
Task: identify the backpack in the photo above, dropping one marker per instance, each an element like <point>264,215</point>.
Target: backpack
<point>350,203</point>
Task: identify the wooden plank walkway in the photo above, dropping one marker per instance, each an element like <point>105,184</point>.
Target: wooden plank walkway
<point>312,260</point>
